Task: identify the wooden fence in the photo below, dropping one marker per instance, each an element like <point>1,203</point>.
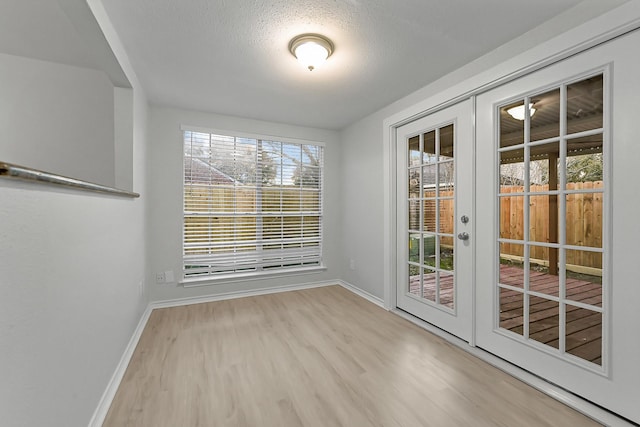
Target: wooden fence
<point>583,222</point>
<point>446,213</point>
<point>291,213</point>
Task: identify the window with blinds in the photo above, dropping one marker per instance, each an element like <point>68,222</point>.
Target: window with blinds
<point>250,205</point>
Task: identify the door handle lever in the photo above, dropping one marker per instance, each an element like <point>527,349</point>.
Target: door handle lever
<point>463,236</point>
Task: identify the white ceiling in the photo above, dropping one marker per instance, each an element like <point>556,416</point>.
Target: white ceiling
<point>62,31</point>
<point>231,56</point>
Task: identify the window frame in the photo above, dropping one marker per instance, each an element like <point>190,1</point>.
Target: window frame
<point>210,279</point>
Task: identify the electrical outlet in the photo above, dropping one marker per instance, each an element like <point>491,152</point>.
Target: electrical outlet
<point>141,288</point>
<point>352,264</point>
<point>160,277</point>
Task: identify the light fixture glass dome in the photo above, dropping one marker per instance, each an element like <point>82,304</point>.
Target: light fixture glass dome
<point>517,112</point>
<point>311,50</point>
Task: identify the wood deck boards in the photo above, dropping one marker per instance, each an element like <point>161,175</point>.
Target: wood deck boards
<point>429,286</point>
<point>583,326</point>
<point>583,330</point>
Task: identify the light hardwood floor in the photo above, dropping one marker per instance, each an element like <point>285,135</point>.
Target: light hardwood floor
<point>317,357</point>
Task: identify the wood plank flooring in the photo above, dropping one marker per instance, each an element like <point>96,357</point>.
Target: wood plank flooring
<point>317,357</point>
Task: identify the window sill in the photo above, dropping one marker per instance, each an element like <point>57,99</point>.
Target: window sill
<point>243,277</point>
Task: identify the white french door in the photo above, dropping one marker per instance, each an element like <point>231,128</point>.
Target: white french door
<point>434,163</point>
<point>557,235</point>
<point>553,234</point>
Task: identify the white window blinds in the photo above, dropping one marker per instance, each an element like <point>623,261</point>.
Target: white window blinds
<point>250,205</point>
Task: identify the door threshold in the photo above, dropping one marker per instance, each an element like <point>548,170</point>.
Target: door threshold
<point>581,405</point>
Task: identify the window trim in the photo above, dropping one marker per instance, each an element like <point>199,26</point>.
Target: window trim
<point>262,274</point>
<point>250,135</point>
<point>251,276</point>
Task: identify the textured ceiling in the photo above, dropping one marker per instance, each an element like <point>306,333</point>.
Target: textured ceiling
<point>231,56</point>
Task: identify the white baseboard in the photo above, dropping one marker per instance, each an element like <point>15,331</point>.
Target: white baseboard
<point>107,397</point>
<point>364,294</point>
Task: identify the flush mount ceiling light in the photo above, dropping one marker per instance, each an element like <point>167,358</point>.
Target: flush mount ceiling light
<point>311,50</point>
<point>517,112</point>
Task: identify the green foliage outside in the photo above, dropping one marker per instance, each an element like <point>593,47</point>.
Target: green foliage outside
<point>584,168</point>
<point>429,250</point>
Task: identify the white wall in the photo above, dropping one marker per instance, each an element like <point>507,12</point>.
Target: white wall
<point>361,205</point>
<point>165,198</point>
<point>43,103</point>
<point>363,150</point>
<point>70,267</point>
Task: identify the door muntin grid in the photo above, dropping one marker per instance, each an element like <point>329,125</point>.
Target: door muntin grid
<point>550,291</point>
<point>431,203</point>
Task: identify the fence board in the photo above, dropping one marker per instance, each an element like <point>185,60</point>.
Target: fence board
<point>583,222</point>
<point>517,210</point>
<point>215,229</point>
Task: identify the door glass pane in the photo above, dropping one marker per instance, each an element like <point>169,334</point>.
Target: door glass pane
<point>414,183</point>
<point>429,193</point>
<point>429,178</point>
<point>585,105</point>
<point>543,167</point>
<point>512,171</point>
<point>545,121</point>
<point>584,277</point>
<point>584,334</point>
<point>446,215</point>
<point>446,253</point>
<point>512,310</point>
<point>414,280</point>
<point>584,161</point>
<point>512,217</point>
<point>429,284</point>
<point>511,270</point>
<point>544,321</point>
<point>446,289</point>
<point>414,151</point>
<point>414,215</point>
<point>446,143</point>
<point>543,218</point>
<point>543,270</point>
<point>429,147</point>
<point>430,207</point>
<point>414,248</point>
<point>584,219</point>
<point>447,179</point>
<point>429,250</point>
<point>512,128</point>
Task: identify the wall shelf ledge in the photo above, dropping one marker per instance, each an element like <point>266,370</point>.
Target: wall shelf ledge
<point>23,173</point>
